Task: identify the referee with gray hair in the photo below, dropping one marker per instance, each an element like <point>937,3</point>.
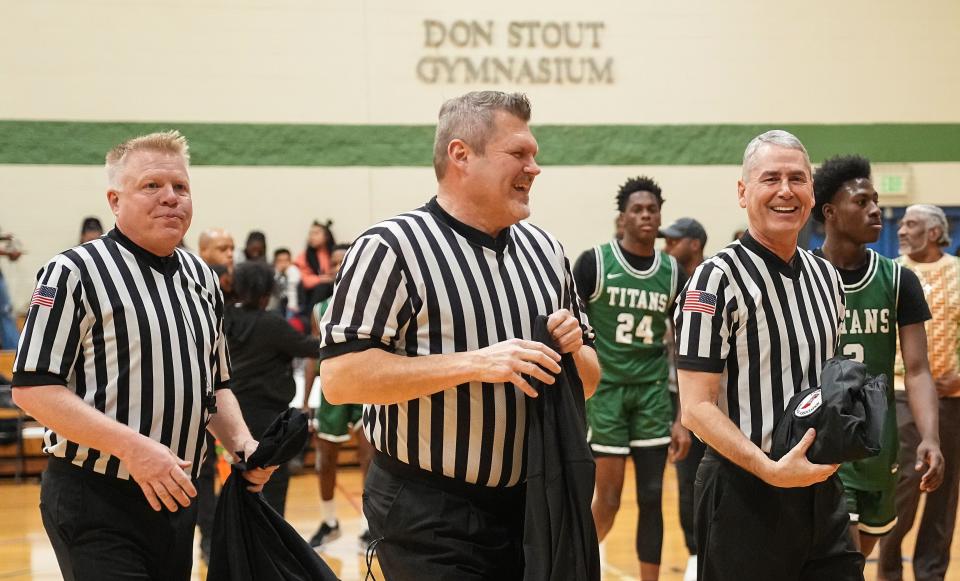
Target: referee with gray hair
<point>755,326</point>
<point>123,359</point>
<point>430,326</point>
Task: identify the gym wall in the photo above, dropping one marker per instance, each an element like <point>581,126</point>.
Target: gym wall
<point>299,109</point>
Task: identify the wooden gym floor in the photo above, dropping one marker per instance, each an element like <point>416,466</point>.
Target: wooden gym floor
<point>25,552</point>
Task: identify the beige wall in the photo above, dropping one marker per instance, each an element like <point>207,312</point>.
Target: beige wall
<point>44,205</point>
<point>322,61</point>
<point>315,61</point>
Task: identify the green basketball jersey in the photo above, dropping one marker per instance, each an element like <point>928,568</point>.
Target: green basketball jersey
<point>629,313</point>
<point>320,308</point>
<point>869,335</point>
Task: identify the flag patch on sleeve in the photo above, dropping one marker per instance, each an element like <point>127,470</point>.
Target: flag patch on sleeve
<point>700,302</point>
<point>44,296</point>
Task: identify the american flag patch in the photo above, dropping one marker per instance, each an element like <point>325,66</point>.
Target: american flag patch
<point>44,296</point>
<point>700,302</point>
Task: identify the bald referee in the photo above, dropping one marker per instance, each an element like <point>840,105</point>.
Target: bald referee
<point>430,325</point>
<point>124,360</point>
<point>755,325</point>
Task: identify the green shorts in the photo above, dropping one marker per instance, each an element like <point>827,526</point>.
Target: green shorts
<point>334,422</point>
<point>873,511</point>
<point>624,416</point>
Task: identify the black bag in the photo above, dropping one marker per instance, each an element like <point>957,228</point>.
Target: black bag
<point>847,410</point>
<point>559,537</point>
<point>251,541</point>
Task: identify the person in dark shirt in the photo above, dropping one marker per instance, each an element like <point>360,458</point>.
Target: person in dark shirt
<point>262,346</point>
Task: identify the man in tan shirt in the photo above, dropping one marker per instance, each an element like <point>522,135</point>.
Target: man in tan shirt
<point>923,235</point>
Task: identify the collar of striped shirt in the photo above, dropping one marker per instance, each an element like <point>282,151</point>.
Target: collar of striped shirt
<point>498,244</point>
<point>790,269</point>
<point>166,265</point>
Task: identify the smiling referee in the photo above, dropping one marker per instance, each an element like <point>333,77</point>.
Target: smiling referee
<point>120,357</point>
<point>755,325</point>
<point>431,326</point>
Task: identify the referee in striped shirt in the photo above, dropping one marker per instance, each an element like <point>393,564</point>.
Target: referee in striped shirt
<point>430,326</point>
<point>755,325</point>
<point>124,360</point>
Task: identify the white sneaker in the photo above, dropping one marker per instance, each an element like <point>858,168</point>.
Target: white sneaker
<point>691,574</point>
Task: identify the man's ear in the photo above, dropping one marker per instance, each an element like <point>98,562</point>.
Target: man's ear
<point>113,198</point>
<point>934,234</point>
<point>458,152</point>
<point>828,211</point>
<point>741,193</point>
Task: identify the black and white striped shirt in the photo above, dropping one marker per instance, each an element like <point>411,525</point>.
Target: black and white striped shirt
<point>424,283</point>
<point>136,336</point>
<point>765,325</point>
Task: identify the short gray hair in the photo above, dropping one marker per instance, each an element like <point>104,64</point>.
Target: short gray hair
<point>470,118</point>
<point>777,137</point>
<point>935,218</point>
<point>164,141</point>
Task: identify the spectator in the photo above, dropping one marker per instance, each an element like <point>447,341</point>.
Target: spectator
<point>90,229</point>
<point>215,247</point>
<point>262,346</point>
<point>316,276</point>
<point>685,240</point>
<point>256,246</point>
<point>923,235</point>
<point>285,298</point>
<point>9,336</point>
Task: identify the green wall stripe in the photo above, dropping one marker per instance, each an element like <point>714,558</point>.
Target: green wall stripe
<point>85,143</point>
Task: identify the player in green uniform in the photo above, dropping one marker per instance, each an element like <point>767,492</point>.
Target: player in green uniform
<point>882,300</point>
<point>333,426</point>
<point>630,290</point>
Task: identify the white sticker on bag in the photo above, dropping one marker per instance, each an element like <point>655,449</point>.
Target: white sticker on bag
<point>809,404</point>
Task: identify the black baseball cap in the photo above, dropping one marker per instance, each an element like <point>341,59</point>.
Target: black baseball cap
<point>685,228</point>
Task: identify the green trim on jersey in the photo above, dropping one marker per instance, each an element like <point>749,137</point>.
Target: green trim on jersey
<point>869,335</point>
<point>629,311</point>
<point>318,310</point>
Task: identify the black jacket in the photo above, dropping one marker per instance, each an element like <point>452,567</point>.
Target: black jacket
<point>847,410</point>
<point>262,345</point>
<point>251,542</point>
<point>559,537</point>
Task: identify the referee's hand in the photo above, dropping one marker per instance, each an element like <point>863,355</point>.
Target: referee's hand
<point>160,474</point>
<point>257,477</point>
<point>795,471</point>
<point>565,330</point>
<point>508,361</point>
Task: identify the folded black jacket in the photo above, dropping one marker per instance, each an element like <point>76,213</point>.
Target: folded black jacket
<point>251,542</point>
<point>559,537</point>
<point>847,410</point>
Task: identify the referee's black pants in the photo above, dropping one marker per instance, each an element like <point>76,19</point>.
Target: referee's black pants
<point>103,529</point>
<point>431,527</point>
<point>748,530</point>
